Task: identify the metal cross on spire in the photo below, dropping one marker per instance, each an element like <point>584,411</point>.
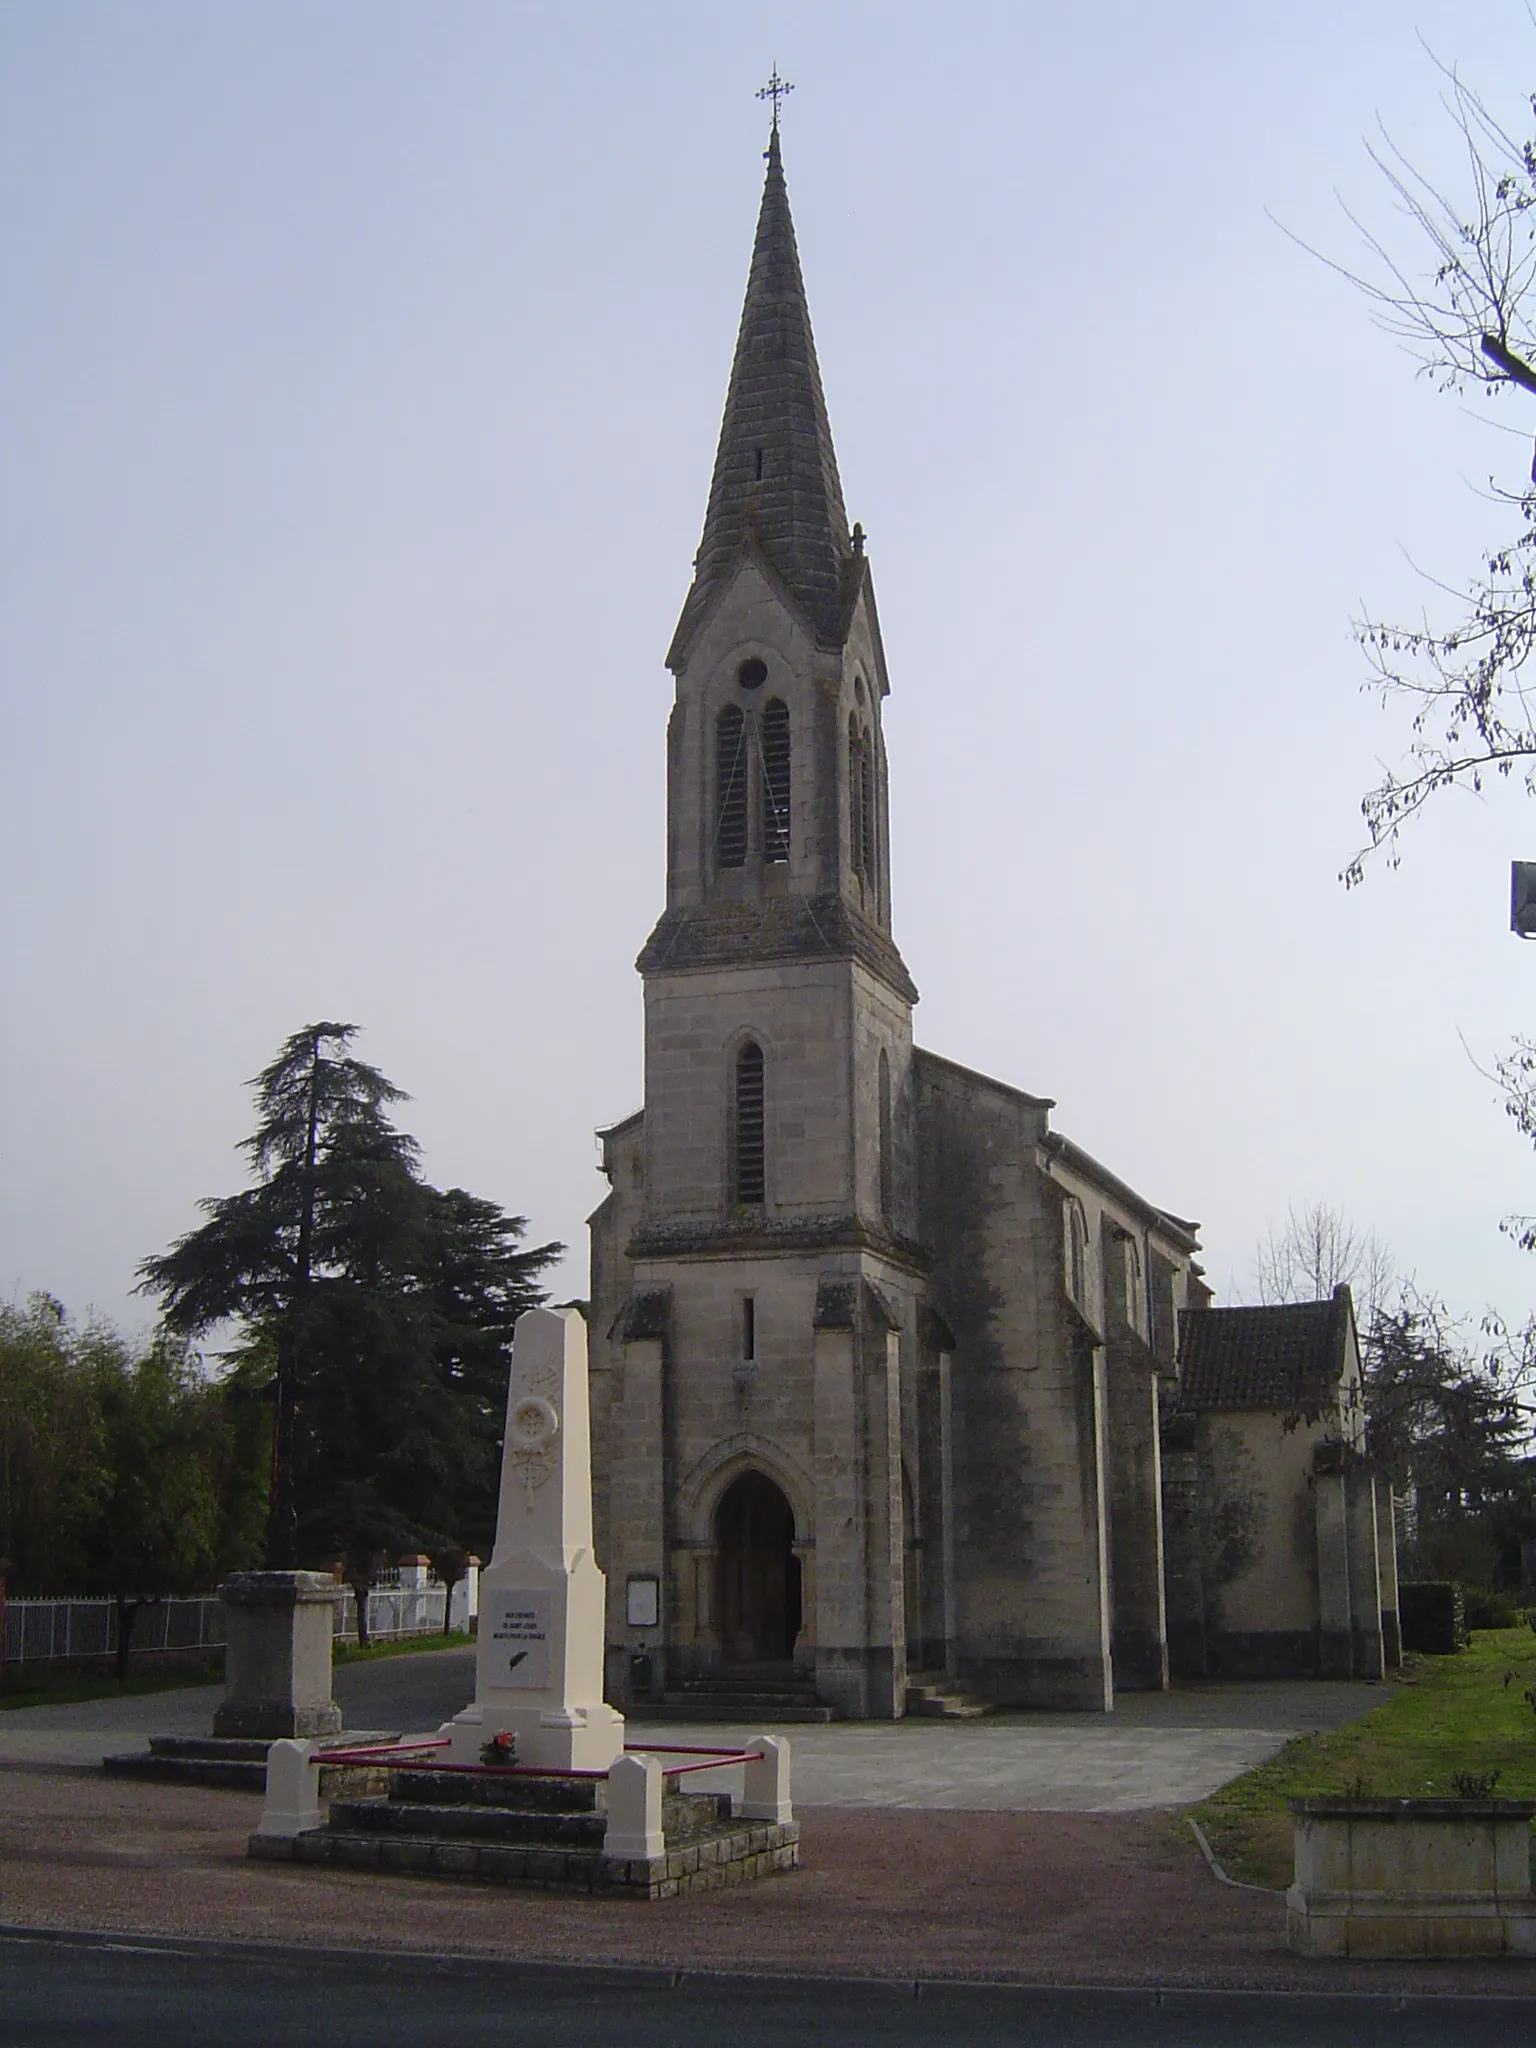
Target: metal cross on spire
<point>776,89</point>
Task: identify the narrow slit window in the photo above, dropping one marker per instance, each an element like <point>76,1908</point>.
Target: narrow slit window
<point>759,454</point>
<point>748,1327</point>
<point>776,780</point>
<point>887,1175</point>
<point>731,788</point>
<point>855,797</point>
<point>748,1175</point>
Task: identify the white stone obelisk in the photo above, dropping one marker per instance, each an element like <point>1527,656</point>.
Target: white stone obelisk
<point>539,1662</point>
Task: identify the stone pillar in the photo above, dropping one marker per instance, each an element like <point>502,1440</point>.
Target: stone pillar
<point>1364,1572</point>
<point>1335,1639</point>
<point>1180,1460</point>
<point>414,1573</point>
<point>277,1656</point>
<point>841,1674</point>
<point>465,1598</point>
<point>1386,1555</point>
<point>887,1625</point>
<point>539,1652</point>
<point>637,1512</point>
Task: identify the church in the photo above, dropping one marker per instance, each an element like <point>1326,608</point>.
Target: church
<point>880,1360</point>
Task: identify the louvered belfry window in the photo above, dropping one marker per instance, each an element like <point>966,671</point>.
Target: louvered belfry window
<point>747,1174</point>
<point>731,788</point>
<point>856,836</point>
<point>868,863</point>
<point>776,780</point>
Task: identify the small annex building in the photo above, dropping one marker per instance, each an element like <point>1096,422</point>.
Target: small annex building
<point>879,1357</point>
<point>1278,1531</point>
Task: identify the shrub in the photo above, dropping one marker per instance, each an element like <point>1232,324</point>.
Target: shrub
<point>1487,1607</point>
<point>1433,1616</point>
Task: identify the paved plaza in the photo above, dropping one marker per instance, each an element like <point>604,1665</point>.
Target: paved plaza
<point>1154,1750</point>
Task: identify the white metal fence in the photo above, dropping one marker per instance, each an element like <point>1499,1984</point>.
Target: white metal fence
<point>38,1630</point>
<point>41,1630</point>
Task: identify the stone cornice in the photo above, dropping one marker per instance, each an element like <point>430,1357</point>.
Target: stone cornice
<point>755,1233</point>
<point>777,928</point>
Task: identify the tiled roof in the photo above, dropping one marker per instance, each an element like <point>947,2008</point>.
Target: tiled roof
<point>1289,1357</point>
<point>775,472</point>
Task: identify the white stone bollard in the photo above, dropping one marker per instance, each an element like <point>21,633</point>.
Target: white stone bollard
<point>634,1809</point>
<point>292,1802</point>
<point>766,1794</point>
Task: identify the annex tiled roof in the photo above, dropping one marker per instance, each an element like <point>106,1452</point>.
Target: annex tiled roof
<point>1288,1357</point>
<point>775,471</point>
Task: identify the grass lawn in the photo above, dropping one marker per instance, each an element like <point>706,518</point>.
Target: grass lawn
<point>17,1691</point>
<point>1440,1716</point>
<point>410,1646</point>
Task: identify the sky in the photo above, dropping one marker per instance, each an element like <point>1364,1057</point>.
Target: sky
<point>360,372</point>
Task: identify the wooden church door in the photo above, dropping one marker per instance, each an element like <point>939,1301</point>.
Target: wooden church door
<point>758,1574</point>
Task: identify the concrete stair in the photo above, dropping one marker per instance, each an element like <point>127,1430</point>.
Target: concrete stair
<point>762,1695</point>
<point>932,1695</point>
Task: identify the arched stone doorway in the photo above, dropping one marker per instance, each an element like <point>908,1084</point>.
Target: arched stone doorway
<point>758,1583</point>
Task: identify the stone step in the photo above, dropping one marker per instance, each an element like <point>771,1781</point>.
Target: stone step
<point>231,1775</point>
<point>421,1785</point>
<point>936,1697</point>
<point>467,1823</point>
<point>728,1854</point>
<point>684,1817</point>
<point>236,1763</point>
<point>947,1707</point>
<point>740,1707</point>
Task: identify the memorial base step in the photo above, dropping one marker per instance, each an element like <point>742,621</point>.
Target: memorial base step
<point>239,1763</point>
<point>521,1829</point>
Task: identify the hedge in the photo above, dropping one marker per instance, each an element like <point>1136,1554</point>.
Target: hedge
<point>1432,1615</point>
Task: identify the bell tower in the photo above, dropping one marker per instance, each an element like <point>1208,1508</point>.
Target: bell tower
<point>778,844</point>
<point>755,1271</point>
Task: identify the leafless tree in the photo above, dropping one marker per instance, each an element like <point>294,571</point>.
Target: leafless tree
<point>1459,289</point>
<point>1318,1249</point>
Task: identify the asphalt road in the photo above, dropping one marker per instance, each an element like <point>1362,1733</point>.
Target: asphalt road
<point>62,1990</point>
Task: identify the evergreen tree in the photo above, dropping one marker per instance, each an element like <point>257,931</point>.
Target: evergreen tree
<point>478,1281</point>
<point>306,1253</point>
<point>1446,1425</point>
<point>384,1305</point>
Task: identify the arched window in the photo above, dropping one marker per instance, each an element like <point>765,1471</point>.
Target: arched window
<point>747,1161</point>
<point>776,780</point>
<point>887,1177</point>
<point>731,788</point>
<point>856,827</point>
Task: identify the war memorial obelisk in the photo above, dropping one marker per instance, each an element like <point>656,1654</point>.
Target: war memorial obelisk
<point>539,1664</point>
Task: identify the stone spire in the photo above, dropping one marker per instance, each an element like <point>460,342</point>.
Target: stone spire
<point>775,473</point>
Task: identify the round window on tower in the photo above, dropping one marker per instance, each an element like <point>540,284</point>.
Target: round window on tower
<point>752,674</point>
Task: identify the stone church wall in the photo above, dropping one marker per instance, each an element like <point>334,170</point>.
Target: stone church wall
<point>1027,1399</point>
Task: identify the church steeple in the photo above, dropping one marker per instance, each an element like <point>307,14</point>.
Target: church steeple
<point>775,477</point>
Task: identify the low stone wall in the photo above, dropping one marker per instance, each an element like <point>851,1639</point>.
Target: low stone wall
<point>1412,1877</point>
